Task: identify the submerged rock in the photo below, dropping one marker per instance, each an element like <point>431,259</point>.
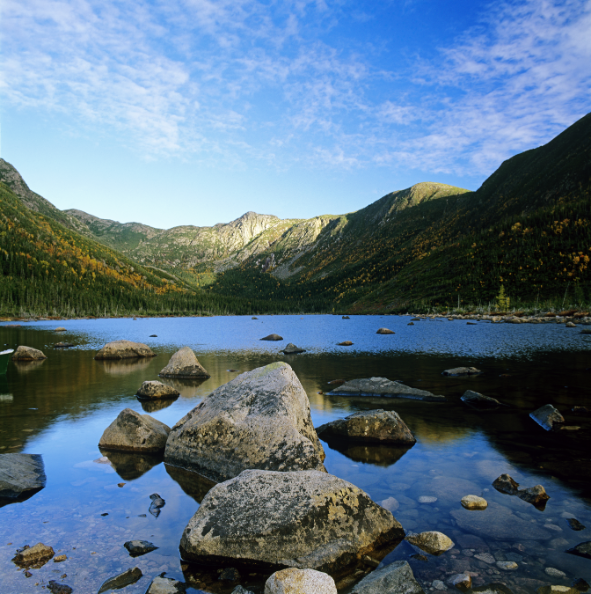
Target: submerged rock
<point>385,331</point>
<point>184,365</point>
<point>56,588</point>
<point>383,387</point>
<point>372,425</point>
<point>583,549</point>
<point>25,353</point>
<point>139,547</point>
<point>432,542</point>
<point>462,581</point>
<point>345,343</point>
<point>300,581</point>
<point>575,524</point>
<point>305,519</point>
<point>537,496</point>
<point>260,419</point>
<point>494,588</point>
<point>272,337</point>
<point>395,577</point>
<point>547,416</point>
<point>505,484</point>
<point>131,431</point>
<point>124,349</point>
<point>164,585</point>
<point>21,474</point>
<point>460,371</point>
<point>131,576</point>
<point>36,556</point>
<point>479,401</point>
<point>154,390</point>
<point>474,502</point>
<point>292,349</point>
<point>157,504</point>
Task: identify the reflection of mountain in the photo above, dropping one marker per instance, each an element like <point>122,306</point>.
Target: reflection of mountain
<point>151,406</point>
<point>131,466</point>
<point>124,367</point>
<point>23,367</point>
<point>378,455</point>
<point>192,483</point>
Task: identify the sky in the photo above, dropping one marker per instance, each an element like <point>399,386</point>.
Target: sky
<point>176,112</point>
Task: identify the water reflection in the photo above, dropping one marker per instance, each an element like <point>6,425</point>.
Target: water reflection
<point>131,466</point>
<point>123,367</point>
<point>189,388</point>
<point>192,483</point>
<point>151,406</point>
<point>378,455</point>
<point>23,367</point>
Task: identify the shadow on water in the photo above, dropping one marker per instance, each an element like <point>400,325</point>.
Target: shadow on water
<point>376,454</point>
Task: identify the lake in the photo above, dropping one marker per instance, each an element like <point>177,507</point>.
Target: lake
<point>93,504</point>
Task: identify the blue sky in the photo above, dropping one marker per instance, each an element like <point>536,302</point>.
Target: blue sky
<point>172,112</point>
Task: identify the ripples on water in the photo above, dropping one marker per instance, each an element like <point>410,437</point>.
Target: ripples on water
<point>60,407</point>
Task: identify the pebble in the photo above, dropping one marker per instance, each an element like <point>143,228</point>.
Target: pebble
<point>553,572</point>
<point>507,565</point>
<point>486,557</point>
<point>427,499</point>
<point>553,527</point>
<point>439,585</point>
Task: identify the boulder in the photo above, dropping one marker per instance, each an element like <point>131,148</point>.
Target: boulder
<point>462,581</point>
<point>184,364</point>
<point>260,419</point>
<point>547,416</point>
<point>154,390</point>
<point>474,502</point>
<point>345,343</point>
<point>25,353</point>
<point>272,337</point>
<point>60,329</point>
<point>139,547</point>
<point>306,519</point>
<point>505,484</point>
<point>164,585</point>
<point>292,349</point>
<point>128,577</point>
<point>537,495</point>
<point>371,425</point>
<point>460,371</point>
<point>395,577</point>
<point>570,325</point>
<point>300,581</point>
<point>479,401</point>
<point>124,349</point>
<point>21,474</point>
<point>34,556</point>
<point>583,549</point>
<point>382,387</point>
<point>434,543</point>
<point>385,331</point>
<point>555,589</point>
<point>131,431</point>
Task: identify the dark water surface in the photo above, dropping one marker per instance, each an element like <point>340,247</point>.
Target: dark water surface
<point>60,407</point>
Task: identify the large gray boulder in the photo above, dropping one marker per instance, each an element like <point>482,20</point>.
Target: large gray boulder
<point>372,425</point>
<point>547,416</point>
<point>124,349</point>
<point>381,386</point>
<point>131,431</point>
<point>305,519</point>
<point>260,419</point>
<point>184,364</point>
<point>394,578</point>
<point>25,353</point>
<point>21,474</point>
<point>154,390</point>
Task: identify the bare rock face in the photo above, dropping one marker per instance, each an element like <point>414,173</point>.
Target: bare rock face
<point>380,386</point>
<point>184,364</point>
<point>25,353</point>
<point>305,519</point>
<point>395,577</point>
<point>300,581</point>
<point>460,371</point>
<point>154,390</point>
<point>434,543</point>
<point>547,416</point>
<point>479,401</point>
<point>131,431</point>
<point>20,474</point>
<point>373,425</point>
<point>261,419</point>
<point>124,349</point>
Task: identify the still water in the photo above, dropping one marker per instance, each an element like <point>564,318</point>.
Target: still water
<point>91,506</point>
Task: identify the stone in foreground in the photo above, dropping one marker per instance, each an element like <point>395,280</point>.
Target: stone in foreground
<point>184,365</point>
<point>555,589</point>
<point>306,519</point>
<point>537,495</point>
<point>505,484</point>
<point>37,556</point>
<point>260,419</point>
<point>155,390</point>
<point>373,426</point>
<point>139,547</point>
<point>461,371</point>
<point>292,349</point>
<point>124,349</point>
<point>583,549</point>
<point>547,416</point>
<point>474,502</point>
<point>25,353</point>
<point>434,543</point>
<point>462,581</point>
<point>133,432</point>
<point>21,474</point>
<point>383,387</point>
<point>479,401</point>
<point>394,578</point>
<point>131,576</point>
<point>385,331</point>
<point>163,585</point>
<point>345,343</point>
<point>272,337</point>
<point>300,581</point>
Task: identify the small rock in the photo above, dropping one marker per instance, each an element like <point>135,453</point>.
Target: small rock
<point>56,588</point>
<point>140,547</point>
<point>34,556</point>
<point>583,549</point>
<point>184,365</point>
<point>537,496</point>
<point>292,349</point>
<point>479,401</point>
<point>427,499</point>
<point>124,349</point>
<point>474,502</point>
<point>391,504</point>
<point>60,558</point>
<point>462,581</point>
<point>152,390</point>
<point>60,329</point>
<point>345,343</point>
<point>411,324</point>
<point>272,337</point>
<point>547,416</point>
<point>345,318</point>
<point>505,484</point>
<point>395,577</point>
<point>570,325</point>
<point>156,505</point>
<point>385,331</point>
<point>25,353</point>
<point>432,542</point>
<point>461,371</point>
<point>164,585</point>
<point>62,345</point>
<point>300,581</point>
<point>229,574</point>
<point>130,576</point>
<point>507,565</point>
<point>553,572</point>
<point>486,557</point>
<point>575,524</point>
<point>556,590</point>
